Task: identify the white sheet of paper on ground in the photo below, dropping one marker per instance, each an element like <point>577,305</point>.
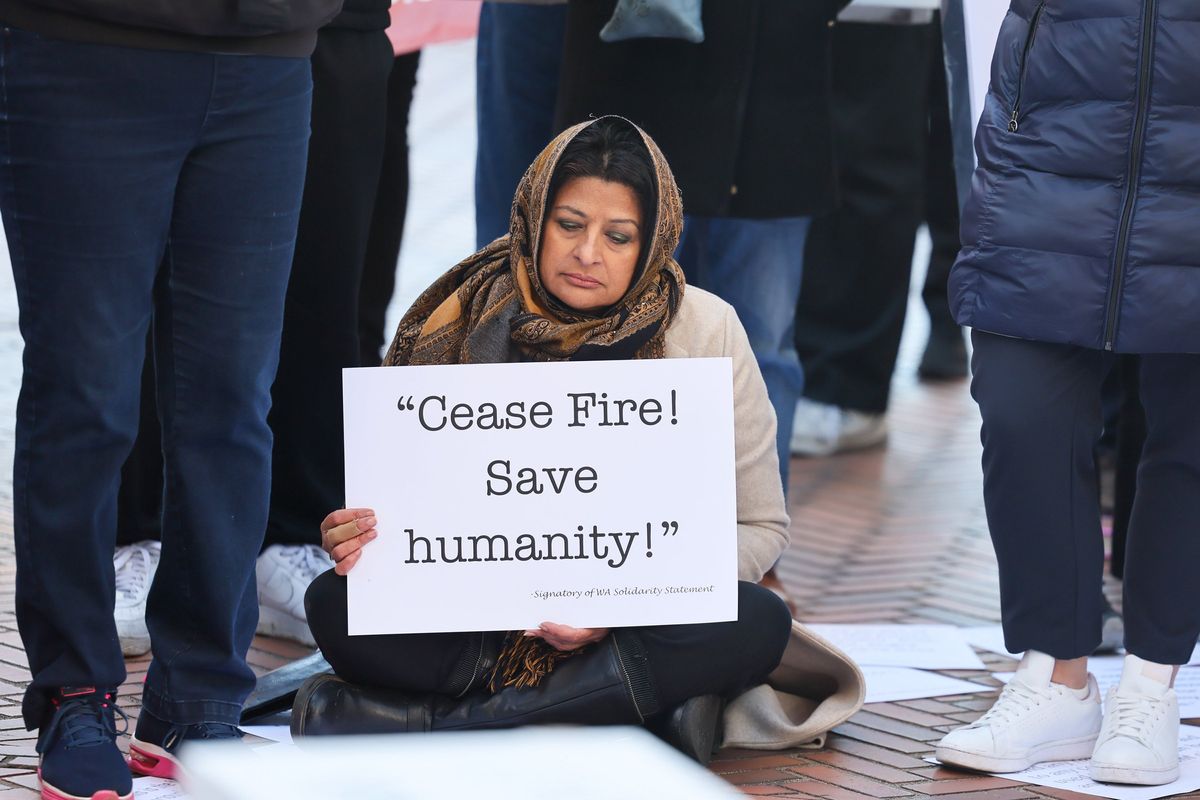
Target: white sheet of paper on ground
<point>543,763</point>
<point>1107,670</point>
<point>917,646</point>
<point>988,637</point>
<point>274,733</point>
<point>1073,775</point>
<point>158,789</point>
<point>888,684</point>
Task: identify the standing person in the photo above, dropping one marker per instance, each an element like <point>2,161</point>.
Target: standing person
<point>137,142</point>
<point>887,78</point>
<point>744,118</point>
<point>1078,248</point>
<point>347,244</point>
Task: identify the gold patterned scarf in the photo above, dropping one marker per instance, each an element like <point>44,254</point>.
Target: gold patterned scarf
<point>494,300</point>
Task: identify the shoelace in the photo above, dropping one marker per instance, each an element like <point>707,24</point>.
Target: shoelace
<point>1017,698</point>
<point>201,730</point>
<point>133,565</point>
<point>1135,716</point>
<point>821,420</point>
<point>307,560</point>
<point>83,722</point>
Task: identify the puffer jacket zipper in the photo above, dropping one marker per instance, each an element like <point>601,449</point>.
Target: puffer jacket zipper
<point>1034,21</point>
<point>1133,173</point>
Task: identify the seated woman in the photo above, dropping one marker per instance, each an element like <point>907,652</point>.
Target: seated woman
<point>585,273</point>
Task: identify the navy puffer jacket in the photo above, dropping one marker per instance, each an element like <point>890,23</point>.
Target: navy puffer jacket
<point>1083,223</point>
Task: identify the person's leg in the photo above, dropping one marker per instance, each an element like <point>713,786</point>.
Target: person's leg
<point>216,349</point>
<point>1162,604</point>
<point>92,139</point>
<point>442,663</point>
<point>139,499</point>
<point>945,355</point>
<point>320,327</point>
<point>633,675</point>
<point>1040,405</point>
<point>387,217</point>
<point>718,657</point>
<point>1140,740</point>
<point>518,57</point>
<point>1130,440</point>
<point>858,258</point>
<point>755,265</point>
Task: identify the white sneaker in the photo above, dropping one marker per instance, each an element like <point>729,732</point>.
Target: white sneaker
<point>284,573</point>
<point>820,429</point>
<point>1139,742</point>
<point>135,565</point>
<point>1032,721</point>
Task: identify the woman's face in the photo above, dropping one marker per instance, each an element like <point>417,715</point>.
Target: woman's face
<point>590,243</point>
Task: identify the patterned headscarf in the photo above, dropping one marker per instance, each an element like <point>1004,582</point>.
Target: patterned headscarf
<point>493,300</point>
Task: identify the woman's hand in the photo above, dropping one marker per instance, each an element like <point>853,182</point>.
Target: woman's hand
<point>564,637</point>
<point>343,534</point>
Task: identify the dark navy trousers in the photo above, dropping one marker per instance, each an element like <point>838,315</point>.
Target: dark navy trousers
<point>1041,419</point>
<point>116,163</point>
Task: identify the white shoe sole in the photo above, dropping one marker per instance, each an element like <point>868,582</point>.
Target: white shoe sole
<point>1140,777</point>
<point>1067,750</point>
<point>280,624</point>
<point>812,448</point>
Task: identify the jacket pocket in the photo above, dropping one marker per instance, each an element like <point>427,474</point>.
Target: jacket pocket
<point>1034,22</point>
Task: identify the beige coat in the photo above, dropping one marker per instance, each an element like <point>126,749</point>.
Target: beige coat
<point>815,686</point>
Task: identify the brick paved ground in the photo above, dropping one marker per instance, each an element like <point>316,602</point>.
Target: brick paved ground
<point>890,535</point>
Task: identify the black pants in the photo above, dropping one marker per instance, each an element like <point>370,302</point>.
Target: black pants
<point>320,326</point>
<point>684,660</point>
<point>895,169</point>
<point>1041,419</point>
<point>387,220</point>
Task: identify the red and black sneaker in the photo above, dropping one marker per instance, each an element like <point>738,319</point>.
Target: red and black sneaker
<point>78,748</point>
<point>155,747</point>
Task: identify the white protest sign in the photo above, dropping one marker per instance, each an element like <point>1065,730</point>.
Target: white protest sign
<point>593,494</point>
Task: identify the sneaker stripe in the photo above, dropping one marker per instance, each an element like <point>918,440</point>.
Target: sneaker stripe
<point>152,761</point>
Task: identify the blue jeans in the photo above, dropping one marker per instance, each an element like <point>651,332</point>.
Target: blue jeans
<point>755,266</point>
<point>145,187</point>
<point>517,60</point>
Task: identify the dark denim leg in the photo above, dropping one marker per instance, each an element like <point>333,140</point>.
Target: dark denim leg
<point>755,265</point>
<point>217,346</point>
<point>718,657</point>
<point>1041,419</point>
<point>1162,597</point>
<point>517,63</point>
<point>91,141</point>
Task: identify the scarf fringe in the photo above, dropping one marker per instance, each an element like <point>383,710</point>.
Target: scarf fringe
<point>524,661</point>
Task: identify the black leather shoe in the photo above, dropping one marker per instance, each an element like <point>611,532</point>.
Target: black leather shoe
<point>694,727</point>
<point>326,705</point>
<point>608,684</point>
